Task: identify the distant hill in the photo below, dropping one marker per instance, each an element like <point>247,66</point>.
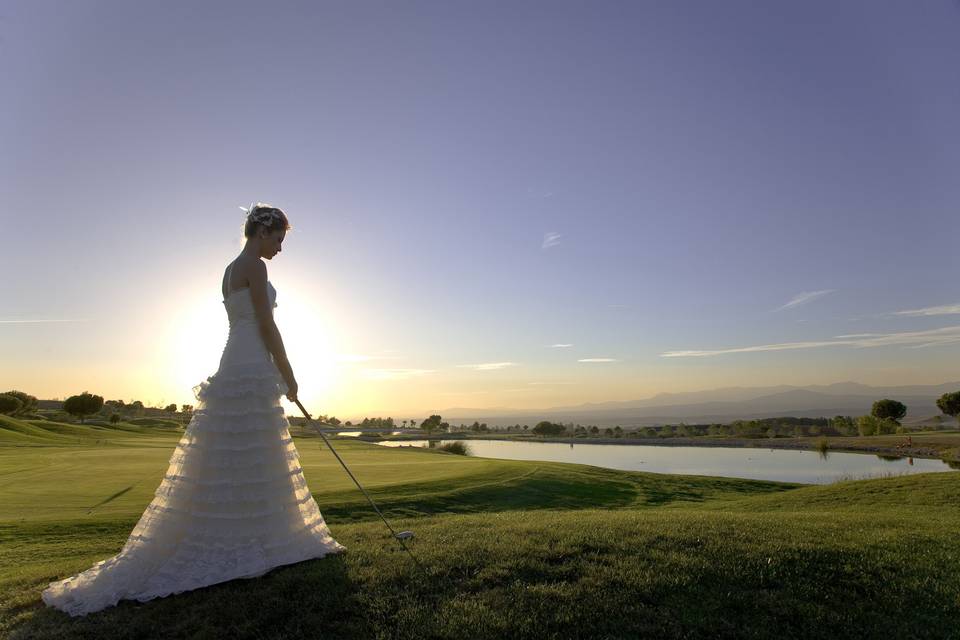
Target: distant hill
<point>717,405</point>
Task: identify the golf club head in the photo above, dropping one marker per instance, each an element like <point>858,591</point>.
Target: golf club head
<point>404,535</point>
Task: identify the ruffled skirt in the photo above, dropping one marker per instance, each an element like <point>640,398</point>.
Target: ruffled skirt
<point>233,503</point>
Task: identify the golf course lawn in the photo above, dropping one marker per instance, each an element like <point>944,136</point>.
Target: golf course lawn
<point>509,549</point>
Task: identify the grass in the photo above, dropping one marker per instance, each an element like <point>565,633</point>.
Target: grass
<point>512,549</point>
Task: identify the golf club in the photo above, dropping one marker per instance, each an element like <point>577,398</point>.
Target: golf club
<point>400,537</point>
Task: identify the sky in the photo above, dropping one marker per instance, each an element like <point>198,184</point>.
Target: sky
<point>493,204</point>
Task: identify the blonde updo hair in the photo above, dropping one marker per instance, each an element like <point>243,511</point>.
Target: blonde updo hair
<point>264,216</point>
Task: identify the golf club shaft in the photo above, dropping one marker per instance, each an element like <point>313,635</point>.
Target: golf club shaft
<point>357,482</point>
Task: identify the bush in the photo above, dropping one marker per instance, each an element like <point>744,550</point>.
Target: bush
<point>459,448</point>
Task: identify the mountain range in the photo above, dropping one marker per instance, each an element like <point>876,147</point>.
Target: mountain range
<point>720,405</point>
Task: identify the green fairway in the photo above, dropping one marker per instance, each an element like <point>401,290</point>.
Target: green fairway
<point>511,548</point>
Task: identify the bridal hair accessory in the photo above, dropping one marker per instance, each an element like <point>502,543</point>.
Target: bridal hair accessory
<point>262,213</point>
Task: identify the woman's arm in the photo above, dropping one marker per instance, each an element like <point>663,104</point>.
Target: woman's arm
<point>268,328</point>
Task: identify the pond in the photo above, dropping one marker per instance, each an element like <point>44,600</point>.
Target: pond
<point>784,465</point>
<point>360,433</point>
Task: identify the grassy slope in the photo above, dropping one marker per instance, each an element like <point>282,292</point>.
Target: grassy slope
<point>512,549</point>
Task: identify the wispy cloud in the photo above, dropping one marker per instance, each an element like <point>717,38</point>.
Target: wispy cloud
<point>539,193</point>
<point>931,337</point>
<point>803,298</point>
<point>597,360</point>
<point>39,320</point>
<point>356,357</point>
<point>947,309</point>
<point>394,374</point>
<point>550,239</point>
<point>488,366</point>
<point>560,346</point>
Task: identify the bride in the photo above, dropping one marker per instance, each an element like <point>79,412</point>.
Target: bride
<point>234,502</point>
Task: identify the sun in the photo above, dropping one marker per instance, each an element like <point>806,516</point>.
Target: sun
<point>197,333</point>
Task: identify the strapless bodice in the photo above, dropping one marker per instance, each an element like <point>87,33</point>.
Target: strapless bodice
<point>239,304</point>
<point>244,343</point>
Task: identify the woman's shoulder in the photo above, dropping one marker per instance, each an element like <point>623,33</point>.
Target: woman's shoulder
<point>247,268</point>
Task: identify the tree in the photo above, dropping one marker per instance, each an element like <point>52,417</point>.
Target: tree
<point>9,404</point>
<point>867,425</point>
<point>170,408</point>
<point>85,404</point>
<point>431,423</point>
<point>115,418</point>
<point>949,403</point>
<point>186,408</point>
<point>844,425</point>
<point>29,403</point>
<point>547,428</point>
<point>887,426</point>
<point>888,408</point>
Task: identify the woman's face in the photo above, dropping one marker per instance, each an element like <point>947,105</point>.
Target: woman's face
<point>270,243</point>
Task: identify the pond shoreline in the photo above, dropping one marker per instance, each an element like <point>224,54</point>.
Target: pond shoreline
<point>917,451</point>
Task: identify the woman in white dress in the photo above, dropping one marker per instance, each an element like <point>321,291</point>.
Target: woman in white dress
<point>234,502</point>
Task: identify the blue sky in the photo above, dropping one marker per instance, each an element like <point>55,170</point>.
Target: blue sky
<point>668,188</point>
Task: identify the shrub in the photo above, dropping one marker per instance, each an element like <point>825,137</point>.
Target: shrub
<point>459,448</point>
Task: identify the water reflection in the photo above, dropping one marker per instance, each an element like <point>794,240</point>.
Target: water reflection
<point>785,465</point>
<point>884,456</point>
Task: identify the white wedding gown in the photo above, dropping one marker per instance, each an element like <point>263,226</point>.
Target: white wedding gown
<point>233,503</point>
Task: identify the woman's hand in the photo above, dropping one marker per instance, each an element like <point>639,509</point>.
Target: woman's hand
<point>292,391</point>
